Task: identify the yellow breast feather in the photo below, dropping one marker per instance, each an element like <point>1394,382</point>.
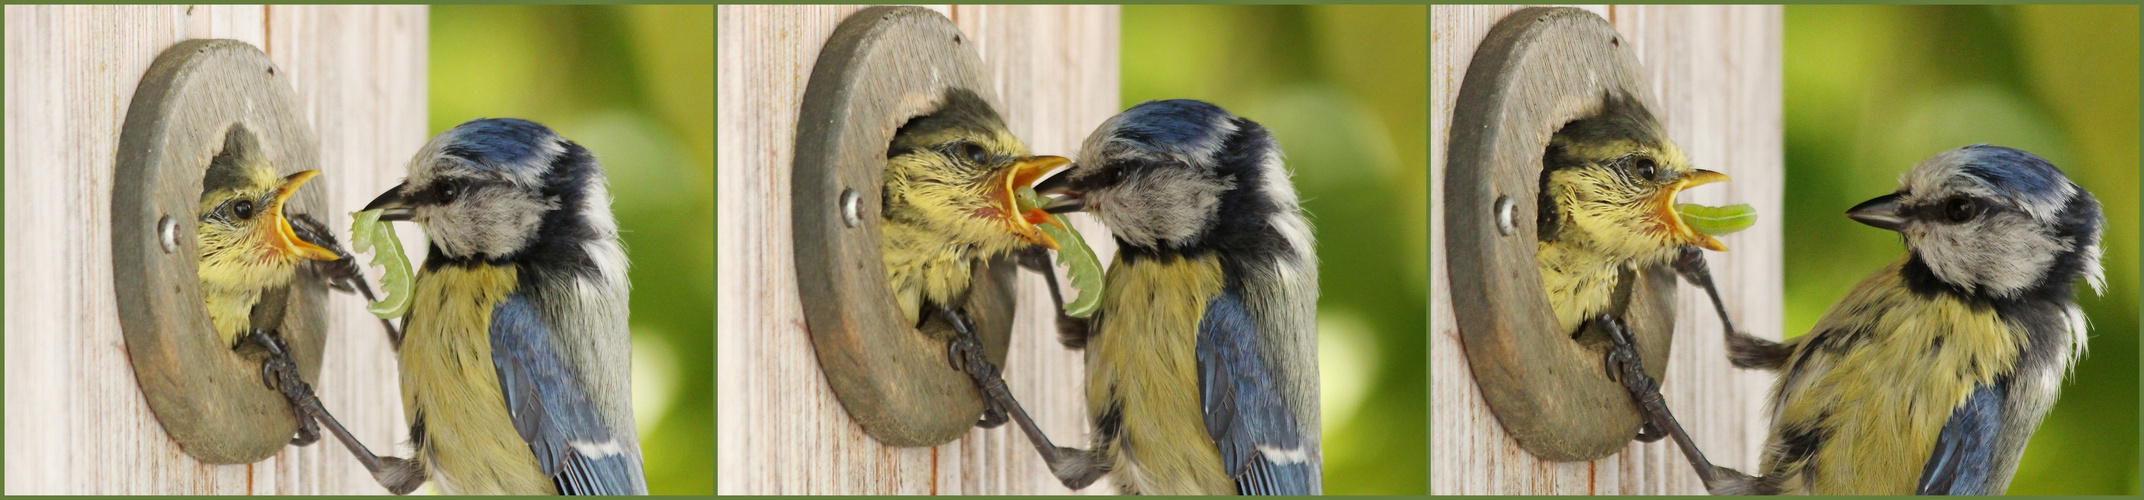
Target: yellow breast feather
<point>448,379</point>
<point>1148,332</point>
<point>1859,378</point>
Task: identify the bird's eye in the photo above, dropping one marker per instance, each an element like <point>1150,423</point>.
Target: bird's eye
<point>1110,176</point>
<point>974,153</point>
<point>243,209</point>
<point>1645,168</point>
<point>448,191</point>
<point>1961,209</point>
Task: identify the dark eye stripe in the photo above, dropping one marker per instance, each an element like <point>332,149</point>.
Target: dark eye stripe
<point>1626,169</point>
<point>1939,210</point>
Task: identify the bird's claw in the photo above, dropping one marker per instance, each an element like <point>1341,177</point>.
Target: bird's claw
<point>1617,360</point>
<point>992,418</point>
<point>1649,433</point>
<point>282,376</point>
<point>966,353</point>
<point>966,350</point>
<point>1690,262</point>
<point>1035,259</point>
<point>1624,363</point>
<point>342,274</point>
<point>962,352</point>
<point>280,373</point>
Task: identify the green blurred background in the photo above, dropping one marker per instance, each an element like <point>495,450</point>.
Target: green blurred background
<point>634,84</point>
<point>1345,89</point>
<point>1871,90</point>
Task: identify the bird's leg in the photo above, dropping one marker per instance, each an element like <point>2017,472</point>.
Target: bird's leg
<point>1623,359</point>
<point>1743,349</point>
<point>280,372</point>
<point>1072,332</point>
<point>342,274</point>
<point>966,348</point>
<point>967,351</point>
<point>1690,263</point>
<point>1620,360</point>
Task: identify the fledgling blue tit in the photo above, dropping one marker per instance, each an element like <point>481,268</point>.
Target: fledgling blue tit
<point>516,359</point>
<point>1607,209</point>
<point>1931,375</point>
<point>249,250</point>
<point>1202,373</point>
<point>249,257</point>
<point>950,202</point>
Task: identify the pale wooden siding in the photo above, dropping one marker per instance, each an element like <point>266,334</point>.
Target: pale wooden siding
<point>76,420</point>
<point>1716,71</point>
<point>779,428</point>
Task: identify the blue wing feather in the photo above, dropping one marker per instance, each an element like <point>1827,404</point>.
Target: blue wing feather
<point>1245,414</point>
<point>551,411</point>
<point>1965,449</point>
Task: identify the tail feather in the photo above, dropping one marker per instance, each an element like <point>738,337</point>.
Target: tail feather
<point>1749,352</point>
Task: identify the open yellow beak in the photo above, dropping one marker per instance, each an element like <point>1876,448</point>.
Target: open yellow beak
<point>1021,174</point>
<point>285,239</point>
<point>1664,210</point>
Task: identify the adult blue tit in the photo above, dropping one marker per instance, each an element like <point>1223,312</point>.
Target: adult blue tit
<point>1202,373</point>
<point>1932,373</point>
<point>516,360</point>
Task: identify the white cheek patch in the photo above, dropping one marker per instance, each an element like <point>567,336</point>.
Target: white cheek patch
<point>493,222</point>
<point>1159,205</point>
<point>2003,253</point>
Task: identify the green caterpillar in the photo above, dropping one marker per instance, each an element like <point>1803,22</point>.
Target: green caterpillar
<point>1072,252</point>
<point>1716,221</point>
<point>369,234</point>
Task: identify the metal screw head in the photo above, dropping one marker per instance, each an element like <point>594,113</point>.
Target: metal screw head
<point>851,209</point>
<point>1506,215</point>
<point>167,234</point>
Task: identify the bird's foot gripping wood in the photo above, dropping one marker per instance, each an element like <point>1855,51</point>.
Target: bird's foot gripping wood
<point>280,373</point>
<point>1072,332</point>
<point>1625,366</point>
<point>965,351</point>
<point>1074,467</point>
<point>342,274</point>
<point>1743,349</point>
<point>400,476</point>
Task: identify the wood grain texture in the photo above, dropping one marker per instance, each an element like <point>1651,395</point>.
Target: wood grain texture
<point>779,428</point>
<point>1716,73</point>
<point>77,422</point>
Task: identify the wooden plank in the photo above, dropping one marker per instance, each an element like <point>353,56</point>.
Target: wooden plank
<point>779,429</point>
<point>79,422</point>
<point>1717,73</point>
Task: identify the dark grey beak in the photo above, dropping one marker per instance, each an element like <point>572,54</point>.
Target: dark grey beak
<point>1060,187</point>
<point>1881,212</point>
<point>391,205</point>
